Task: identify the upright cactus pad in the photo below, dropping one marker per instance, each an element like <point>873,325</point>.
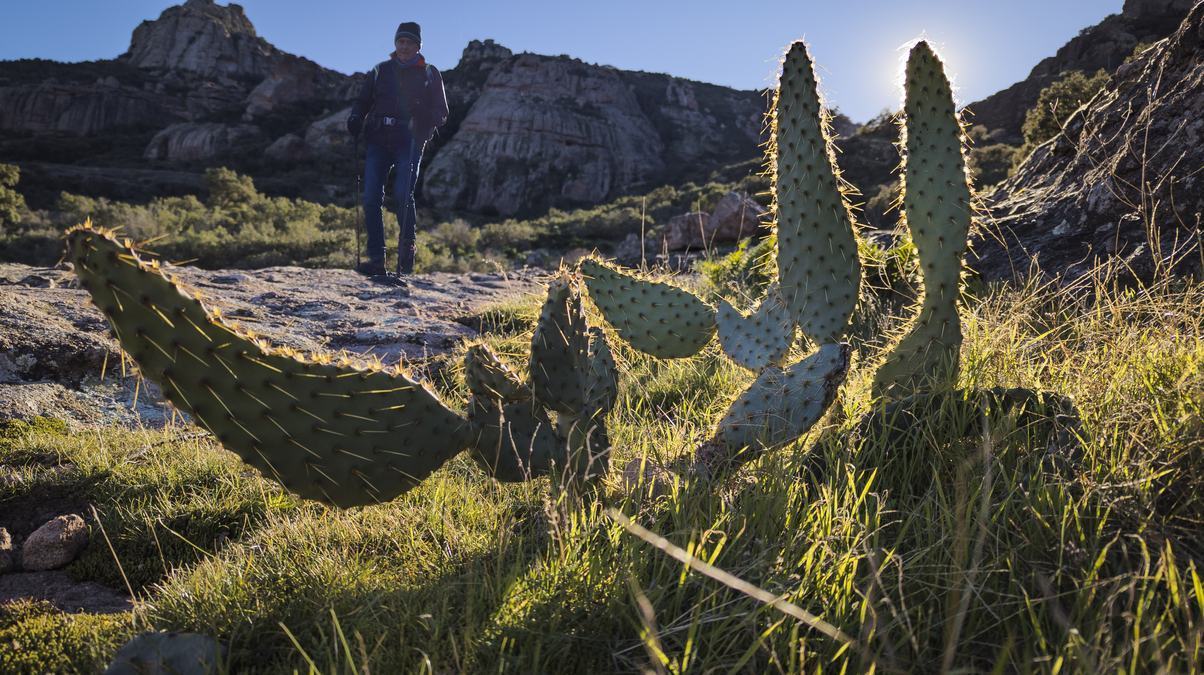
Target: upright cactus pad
<point>513,442</point>
<point>818,264</point>
<point>782,404</point>
<point>760,339</point>
<point>653,317</point>
<point>487,376</point>
<point>602,383</point>
<point>936,204</point>
<point>558,349</point>
<point>327,430</point>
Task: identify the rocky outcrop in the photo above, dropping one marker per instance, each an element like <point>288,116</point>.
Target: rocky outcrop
<point>295,80</point>
<point>545,130</point>
<point>82,109</point>
<point>192,142</point>
<point>1105,45</point>
<point>550,131</point>
<point>1122,181</point>
<point>287,148</point>
<point>205,38</point>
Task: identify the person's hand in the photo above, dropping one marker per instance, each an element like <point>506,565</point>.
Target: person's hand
<point>355,124</point>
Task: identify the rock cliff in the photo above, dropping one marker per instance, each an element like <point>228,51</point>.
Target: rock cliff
<point>1123,180</point>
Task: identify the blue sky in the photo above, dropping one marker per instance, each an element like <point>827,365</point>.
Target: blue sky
<point>988,44</point>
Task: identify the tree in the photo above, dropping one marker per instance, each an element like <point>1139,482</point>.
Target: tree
<point>12,203</point>
<point>1054,106</point>
<point>228,189</point>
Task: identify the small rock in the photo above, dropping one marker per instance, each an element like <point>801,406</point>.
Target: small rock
<point>178,653</point>
<point>7,559</point>
<point>55,544</point>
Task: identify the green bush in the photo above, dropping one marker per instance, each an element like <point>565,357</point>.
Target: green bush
<point>1054,106</point>
<point>12,204</point>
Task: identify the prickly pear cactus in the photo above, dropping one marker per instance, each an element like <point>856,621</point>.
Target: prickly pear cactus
<point>325,428</point>
<point>782,404</point>
<point>602,382</point>
<point>818,265</point>
<point>558,348</point>
<point>487,376</point>
<point>937,208</point>
<point>760,339</point>
<point>655,318</point>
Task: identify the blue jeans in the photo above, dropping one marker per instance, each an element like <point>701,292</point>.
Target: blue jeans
<point>378,160</point>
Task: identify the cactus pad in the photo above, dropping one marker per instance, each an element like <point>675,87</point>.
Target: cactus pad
<point>654,317</point>
<point>937,208</point>
<point>782,404</point>
<point>602,382</point>
<point>760,339</point>
<point>332,431</point>
<point>818,264</point>
<point>487,376</point>
<point>558,349</point>
<point>513,442</point>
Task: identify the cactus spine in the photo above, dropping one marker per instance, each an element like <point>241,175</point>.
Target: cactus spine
<point>327,429</point>
<point>936,203</point>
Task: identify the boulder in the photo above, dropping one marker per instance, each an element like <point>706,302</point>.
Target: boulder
<point>8,558</point>
<point>329,133</point>
<point>54,544</point>
<point>735,217</point>
<point>192,142</point>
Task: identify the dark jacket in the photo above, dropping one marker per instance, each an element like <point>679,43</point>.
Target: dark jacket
<point>412,95</point>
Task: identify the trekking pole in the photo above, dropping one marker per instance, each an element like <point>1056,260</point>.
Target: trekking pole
<point>359,199</point>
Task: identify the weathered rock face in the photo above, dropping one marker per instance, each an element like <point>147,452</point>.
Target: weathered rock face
<point>550,131</point>
<point>545,128</point>
<point>1105,45</point>
<point>1080,196</point>
<point>87,109</point>
<point>205,38</point>
<point>190,142</point>
<point>295,80</point>
<point>287,148</point>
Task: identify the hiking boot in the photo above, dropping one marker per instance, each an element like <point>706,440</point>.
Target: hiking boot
<point>389,279</point>
<point>371,268</point>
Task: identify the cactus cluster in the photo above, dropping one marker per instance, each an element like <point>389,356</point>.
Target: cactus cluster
<point>332,428</point>
<point>336,430</point>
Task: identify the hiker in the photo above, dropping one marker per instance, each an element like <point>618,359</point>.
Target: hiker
<point>398,108</point>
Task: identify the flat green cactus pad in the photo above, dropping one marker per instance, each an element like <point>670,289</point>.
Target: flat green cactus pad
<point>329,430</point>
<point>936,205</point>
<point>760,339</point>
<point>782,404</point>
<point>818,265</point>
<point>653,317</point>
<point>513,442</point>
<point>487,376</point>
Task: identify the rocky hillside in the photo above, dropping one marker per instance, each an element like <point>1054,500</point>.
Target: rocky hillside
<point>1102,46</point>
<point>198,87</point>
<point>1123,180</point>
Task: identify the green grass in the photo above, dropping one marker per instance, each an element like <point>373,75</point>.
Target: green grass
<point>1006,550</point>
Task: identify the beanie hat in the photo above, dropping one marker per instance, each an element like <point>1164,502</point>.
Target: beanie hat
<point>411,30</point>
